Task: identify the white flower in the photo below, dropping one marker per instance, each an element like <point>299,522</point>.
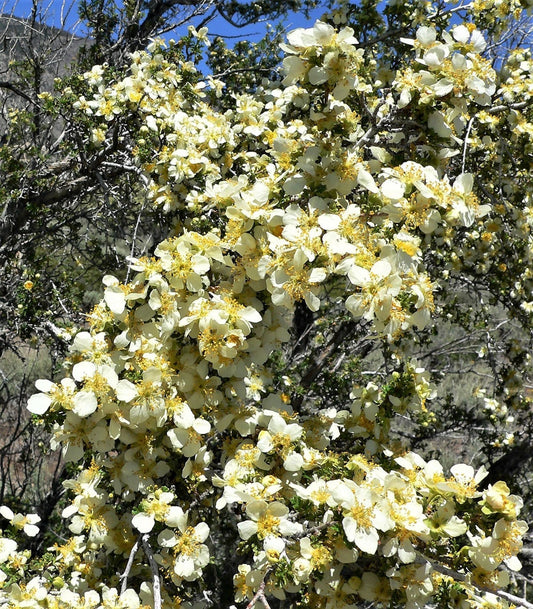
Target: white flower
<point>85,403</point>
<point>114,296</point>
<point>393,189</point>
<point>144,523</point>
<point>126,391</point>
<point>278,433</point>
<point>363,515</point>
<point>267,519</point>
<point>435,56</point>
<point>426,36</point>
<point>8,547</point>
<point>126,600</point>
<point>192,555</point>
<point>20,521</point>
<point>274,548</point>
<point>39,403</point>
<point>473,40</point>
<point>320,34</point>
<point>189,440</point>
<point>378,287</point>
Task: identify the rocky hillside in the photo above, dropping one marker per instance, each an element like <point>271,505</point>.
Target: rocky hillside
<point>31,56</point>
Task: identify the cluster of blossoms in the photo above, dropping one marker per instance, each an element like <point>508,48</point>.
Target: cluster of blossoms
<point>171,411</point>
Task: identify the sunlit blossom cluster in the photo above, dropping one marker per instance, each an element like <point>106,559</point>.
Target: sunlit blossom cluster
<point>169,409</point>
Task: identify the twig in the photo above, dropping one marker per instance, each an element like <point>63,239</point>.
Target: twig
<point>386,34</point>
<point>517,600</point>
<point>465,143</point>
<point>57,292</point>
<point>260,594</point>
<point>129,168</point>
<point>134,238</point>
<point>124,576</point>
<point>17,91</point>
<point>372,130</point>
<point>502,107</point>
<point>526,580</point>
<point>230,71</point>
<point>155,571</point>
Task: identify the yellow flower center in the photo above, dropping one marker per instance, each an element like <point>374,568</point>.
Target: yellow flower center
<point>267,525</point>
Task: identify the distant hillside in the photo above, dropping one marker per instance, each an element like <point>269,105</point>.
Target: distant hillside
<point>20,39</point>
<point>49,49</point>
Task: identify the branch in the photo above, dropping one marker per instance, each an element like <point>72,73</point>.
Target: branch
<point>502,108</point>
<point>155,570</point>
<point>231,71</point>
<point>124,576</point>
<point>465,143</point>
<point>381,37</point>
<point>517,600</point>
<point>137,38</point>
<point>260,594</point>
<point>255,19</point>
<point>134,238</point>
<point>375,126</point>
<point>7,85</point>
<point>17,211</point>
<point>343,333</point>
<point>506,466</point>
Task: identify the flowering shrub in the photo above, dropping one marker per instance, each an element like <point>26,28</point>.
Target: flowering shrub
<point>332,188</point>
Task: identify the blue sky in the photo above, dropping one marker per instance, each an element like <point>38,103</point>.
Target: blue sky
<point>55,12</point>
<point>58,12</point>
